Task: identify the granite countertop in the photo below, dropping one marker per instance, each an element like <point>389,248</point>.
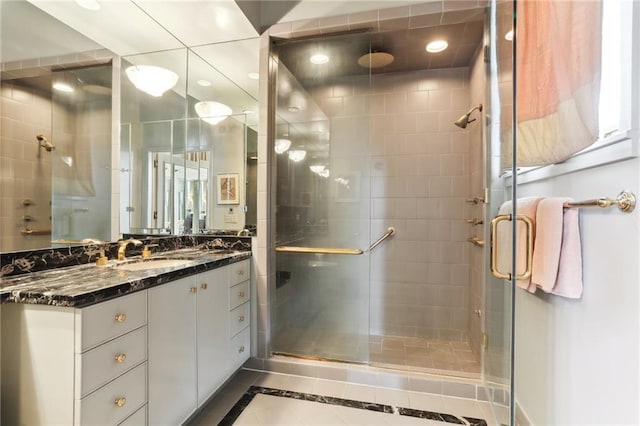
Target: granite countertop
<point>84,285</point>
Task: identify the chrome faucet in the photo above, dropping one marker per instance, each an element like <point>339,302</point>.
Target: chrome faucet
<point>243,232</point>
<point>122,247</point>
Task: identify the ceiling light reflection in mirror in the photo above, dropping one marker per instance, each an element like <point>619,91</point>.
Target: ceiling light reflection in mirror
<point>152,79</point>
<point>212,112</point>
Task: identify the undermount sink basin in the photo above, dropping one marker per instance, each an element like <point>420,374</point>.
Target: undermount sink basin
<point>144,265</point>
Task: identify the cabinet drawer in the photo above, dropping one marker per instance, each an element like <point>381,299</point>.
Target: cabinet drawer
<point>238,294</point>
<point>115,401</point>
<point>104,321</point>
<point>239,318</point>
<point>240,348</point>
<point>106,362</point>
<point>139,418</point>
<point>238,272</point>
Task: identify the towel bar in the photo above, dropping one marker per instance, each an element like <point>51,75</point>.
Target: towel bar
<point>625,201</point>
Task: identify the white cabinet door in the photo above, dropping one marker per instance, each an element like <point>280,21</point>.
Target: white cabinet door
<point>212,331</point>
<point>172,354</point>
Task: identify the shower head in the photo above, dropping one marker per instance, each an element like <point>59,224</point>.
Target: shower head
<point>44,143</point>
<point>464,120</point>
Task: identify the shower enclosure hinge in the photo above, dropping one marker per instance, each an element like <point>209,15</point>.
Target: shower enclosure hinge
<point>486,53</point>
<point>155,164</point>
<point>155,215</point>
<point>485,341</point>
<point>130,209</point>
<point>486,196</point>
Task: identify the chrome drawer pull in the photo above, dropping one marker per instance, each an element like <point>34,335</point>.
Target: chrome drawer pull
<point>241,349</point>
<point>204,286</point>
<point>241,318</point>
<point>241,294</point>
<point>193,289</point>
<point>121,318</point>
<point>119,402</point>
<point>120,358</point>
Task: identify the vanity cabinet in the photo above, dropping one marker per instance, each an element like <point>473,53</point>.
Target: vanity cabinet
<point>195,342</point>
<point>149,357</point>
<point>75,366</point>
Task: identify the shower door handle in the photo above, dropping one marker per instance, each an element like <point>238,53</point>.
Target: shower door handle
<point>319,250</point>
<point>494,246</point>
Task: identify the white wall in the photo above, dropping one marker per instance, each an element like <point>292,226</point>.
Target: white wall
<point>577,360</point>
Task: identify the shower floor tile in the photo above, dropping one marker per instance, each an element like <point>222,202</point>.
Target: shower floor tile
<point>423,354</point>
<point>261,398</point>
<point>417,353</point>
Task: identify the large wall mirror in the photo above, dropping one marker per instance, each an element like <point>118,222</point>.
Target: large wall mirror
<point>184,152</point>
<point>106,159</point>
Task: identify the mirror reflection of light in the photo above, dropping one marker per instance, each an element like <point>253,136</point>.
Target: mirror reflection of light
<point>204,83</point>
<point>317,168</point>
<point>297,155</point>
<point>324,173</point>
<point>68,160</point>
<point>151,79</point>
<point>282,145</point>
<point>62,87</point>
<point>212,112</point>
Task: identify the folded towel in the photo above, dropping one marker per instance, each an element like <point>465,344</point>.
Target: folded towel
<point>527,206</point>
<point>547,243</point>
<point>569,280</point>
<point>557,258</point>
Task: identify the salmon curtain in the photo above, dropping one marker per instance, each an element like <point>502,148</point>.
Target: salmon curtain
<point>558,58</point>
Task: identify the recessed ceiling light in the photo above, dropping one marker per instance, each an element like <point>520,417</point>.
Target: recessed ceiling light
<point>281,145</point>
<point>88,4</point>
<point>437,46</point>
<point>319,58</point>
<point>247,111</point>
<point>62,87</point>
<point>509,35</point>
<point>204,83</point>
<point>253,76</point>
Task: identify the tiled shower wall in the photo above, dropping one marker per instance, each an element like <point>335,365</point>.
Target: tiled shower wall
<point>25,170</point>
<point>477,155</point>
<point>420,179</point>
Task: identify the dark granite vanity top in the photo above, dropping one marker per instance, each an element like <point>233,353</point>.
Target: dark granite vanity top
<point>86,284</point>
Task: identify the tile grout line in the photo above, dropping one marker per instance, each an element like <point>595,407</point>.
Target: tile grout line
<point>249,395</point>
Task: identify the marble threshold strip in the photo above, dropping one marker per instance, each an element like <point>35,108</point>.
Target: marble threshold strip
<point>246,399</point>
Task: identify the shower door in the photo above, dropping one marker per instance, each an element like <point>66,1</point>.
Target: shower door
<point>322,201</point>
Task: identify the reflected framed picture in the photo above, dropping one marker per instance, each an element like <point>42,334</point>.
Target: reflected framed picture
<point>228,188</point>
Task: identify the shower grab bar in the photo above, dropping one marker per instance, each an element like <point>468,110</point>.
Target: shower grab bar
<point>625,202</point>
<point>391,231</point>
<point>335,250</point>
<point>319,250</point>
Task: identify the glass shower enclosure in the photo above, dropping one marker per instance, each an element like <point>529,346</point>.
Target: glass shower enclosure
<point>323,206</point>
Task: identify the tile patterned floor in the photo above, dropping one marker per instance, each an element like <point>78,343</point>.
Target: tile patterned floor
<point>280,399</point>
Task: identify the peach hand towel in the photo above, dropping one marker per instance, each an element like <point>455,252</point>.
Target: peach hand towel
<point>547,243</point>
<point>527,206</point>
<point>557,258</point>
